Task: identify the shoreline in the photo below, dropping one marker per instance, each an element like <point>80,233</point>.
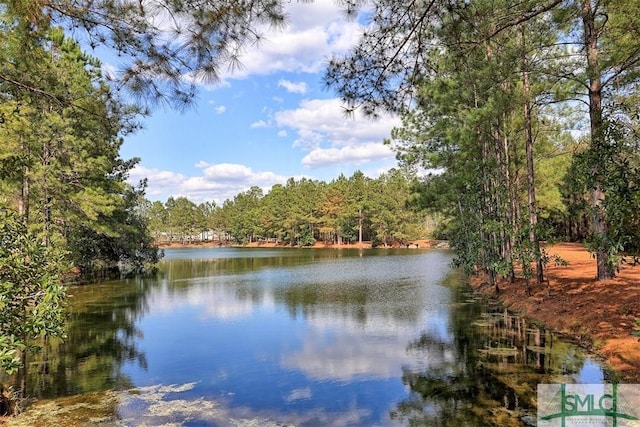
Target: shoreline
<point>598,315</point>
<point>412,244</point>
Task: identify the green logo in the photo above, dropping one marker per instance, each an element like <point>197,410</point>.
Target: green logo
<point>572,405</point>
<point>565,405</point>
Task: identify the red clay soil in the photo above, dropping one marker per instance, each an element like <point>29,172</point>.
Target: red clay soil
<point>600,315</point>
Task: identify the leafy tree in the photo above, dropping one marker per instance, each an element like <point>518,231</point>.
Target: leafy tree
<point>392,218</point>
<point>158,218</point>
<point>217,220</point>
<point>359,200</point>
<point>65,173</point>
<point>330,207</point>
<point>128,249</point>
<point>203,216</point>
<point>333,212</point>
<point>243,213</point>
<point>68,160</point>
<point>463,127</point>
<point>183,218</point>
<point>612,56</point>
<point>163,45</point>
<point>383,71</point>
<point>273,215</point>
<point>32,299</point>
<point>302,214</point>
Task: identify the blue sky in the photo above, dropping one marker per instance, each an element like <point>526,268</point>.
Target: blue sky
<point>268,121</point>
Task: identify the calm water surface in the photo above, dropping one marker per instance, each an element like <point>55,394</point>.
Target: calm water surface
<point>304,337</point>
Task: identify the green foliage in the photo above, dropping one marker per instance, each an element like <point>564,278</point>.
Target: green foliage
<point>155,55</point>
<point>305,237</point>
<point>482,83</point>
<point>130,248</point>
<point>182,219</point>
<point>616,163</point>
<point>59,151</point>
<point>32,299</point>
<point>305,211</point>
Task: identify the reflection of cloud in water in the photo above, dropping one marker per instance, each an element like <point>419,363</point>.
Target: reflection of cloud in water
<point>298,394</point>
<point>214,300</point>
<point>347,357</point>
<point>341,348</point>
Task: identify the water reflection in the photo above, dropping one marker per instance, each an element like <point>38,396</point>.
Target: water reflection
<point>489,374</point>
<point>102,336</point>
<point>305,337</point>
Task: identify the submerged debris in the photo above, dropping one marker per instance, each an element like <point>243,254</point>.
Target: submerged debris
<point>157,406</point>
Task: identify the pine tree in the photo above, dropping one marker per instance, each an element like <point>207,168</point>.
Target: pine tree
<point>164,45</point>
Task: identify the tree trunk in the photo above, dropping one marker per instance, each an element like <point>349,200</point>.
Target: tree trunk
<point>23,203</point>
<point>47,199</point>
<point>501,190</point>
<point>531,190</point>
<point>604,269</point>
<point>21,378</point>
<point>360,226</point>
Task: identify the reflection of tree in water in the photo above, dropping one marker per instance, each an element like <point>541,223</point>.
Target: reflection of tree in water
<point>306,292</point>
<point>176,269</point>
<point>487,374</point>
<point>101,336</point>
<point>345,301</point>
<point>357,301</point>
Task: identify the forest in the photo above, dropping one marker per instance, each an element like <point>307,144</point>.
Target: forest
<point>300,213</point>
<point>393,209</point>
<point>520,125</point>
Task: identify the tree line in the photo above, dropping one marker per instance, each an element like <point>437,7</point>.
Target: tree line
<point>300,213</point>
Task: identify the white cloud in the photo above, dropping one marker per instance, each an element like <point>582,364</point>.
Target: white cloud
<point>160,182</point>
<point>259,124</point>
<point>314,31</point>
<point>331,138</point>
<point>215,182</point>
<point>292,87</point>
<point>353,154</point>
<point>317,128</point>
<point>325,117</point>
<point>230,172</point>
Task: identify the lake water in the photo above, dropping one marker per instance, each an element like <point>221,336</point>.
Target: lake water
<point>231,336</point>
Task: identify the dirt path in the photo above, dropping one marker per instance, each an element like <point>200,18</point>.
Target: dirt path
<point>599,315</point>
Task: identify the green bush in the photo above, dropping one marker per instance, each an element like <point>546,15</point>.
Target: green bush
<point>32,299</point>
